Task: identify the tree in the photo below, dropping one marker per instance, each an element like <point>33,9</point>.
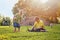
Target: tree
<point>35,10</point>
<point>1,18</point>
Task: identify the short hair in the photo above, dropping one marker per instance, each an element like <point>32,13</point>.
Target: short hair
<point>36,18</point>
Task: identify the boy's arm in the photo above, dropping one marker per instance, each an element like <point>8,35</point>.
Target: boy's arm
<point>34,25</point>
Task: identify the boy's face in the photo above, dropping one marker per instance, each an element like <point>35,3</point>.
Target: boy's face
<point>14,18</point>
<point>37,19</point>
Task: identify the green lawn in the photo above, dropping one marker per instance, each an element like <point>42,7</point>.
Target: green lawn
<point>6,33</point>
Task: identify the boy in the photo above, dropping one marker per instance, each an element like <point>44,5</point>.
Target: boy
<point>38,26</point>
<point>16,24</point>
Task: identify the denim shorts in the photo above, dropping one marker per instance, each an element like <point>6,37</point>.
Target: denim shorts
<point>16,24</point>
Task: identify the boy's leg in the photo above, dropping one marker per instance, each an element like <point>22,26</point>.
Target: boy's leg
<point>38,30</point>
<point>14,29</point>
<point>18,29</point>
<point>18,25</point>
<point>14,26</point>
<point>42,30</point>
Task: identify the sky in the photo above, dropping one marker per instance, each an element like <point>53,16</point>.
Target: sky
<point>6,7</point>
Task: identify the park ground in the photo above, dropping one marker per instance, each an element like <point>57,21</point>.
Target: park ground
<point>6,33</point>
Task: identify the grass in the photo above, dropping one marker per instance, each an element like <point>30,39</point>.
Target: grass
<point>6,33</point>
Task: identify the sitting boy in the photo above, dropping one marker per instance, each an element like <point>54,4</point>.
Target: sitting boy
<point>38,26</point>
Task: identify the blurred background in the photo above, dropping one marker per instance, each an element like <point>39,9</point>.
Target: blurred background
<point>46,10</point>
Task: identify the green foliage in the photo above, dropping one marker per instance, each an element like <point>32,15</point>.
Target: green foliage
<point>4,19</point>
<point>1,18</point>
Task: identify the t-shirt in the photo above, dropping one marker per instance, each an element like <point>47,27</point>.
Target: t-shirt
<point>17,18</point>
<point>38,24</point>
